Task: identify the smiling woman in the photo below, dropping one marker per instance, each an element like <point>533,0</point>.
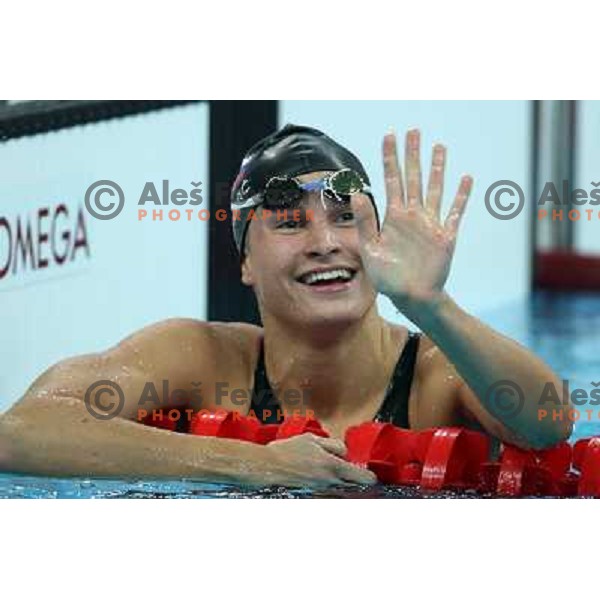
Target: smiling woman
<point>316,281</point>
<point>316,285</point>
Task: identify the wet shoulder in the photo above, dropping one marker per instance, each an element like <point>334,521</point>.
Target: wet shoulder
<point>211,349</point>
<point>232,349</point>
<point>237,342</point>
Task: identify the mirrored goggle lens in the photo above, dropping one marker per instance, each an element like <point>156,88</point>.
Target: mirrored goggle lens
<point>281,192</point>
<point>346,182</point>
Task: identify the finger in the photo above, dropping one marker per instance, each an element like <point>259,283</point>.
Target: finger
<point>333,445</point>
<point>412,159</point>
<point>364,217</point>
<point>435,187</point>
<point>330,482</point>
<point>457,210</point>
<point>326,483</point>
<point>394,188</point>
<point>349,472</point>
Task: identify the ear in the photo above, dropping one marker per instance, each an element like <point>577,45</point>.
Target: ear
<point>247,278</point>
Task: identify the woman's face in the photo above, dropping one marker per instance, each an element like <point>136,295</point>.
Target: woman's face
<point>284,254</point>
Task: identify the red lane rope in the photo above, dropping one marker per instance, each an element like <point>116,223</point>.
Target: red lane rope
<point>443,458</point>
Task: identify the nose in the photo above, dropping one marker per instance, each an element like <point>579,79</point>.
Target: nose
<point>322,238</point>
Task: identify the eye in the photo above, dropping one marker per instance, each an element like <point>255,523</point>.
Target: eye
<point>290,224</point>
<point>346,216</point>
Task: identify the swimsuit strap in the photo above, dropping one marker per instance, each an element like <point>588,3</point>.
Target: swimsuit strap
<point>263,398</point>
<point>394,408</point>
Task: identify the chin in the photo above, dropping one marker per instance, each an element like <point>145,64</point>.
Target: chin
<point>333,314</point>
<point>319,311</point>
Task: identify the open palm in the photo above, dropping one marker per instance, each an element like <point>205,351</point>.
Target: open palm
<point>409,259</point>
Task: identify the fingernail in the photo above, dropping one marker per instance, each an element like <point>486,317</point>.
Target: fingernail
<point>413,139</point>
<point>369,475</point>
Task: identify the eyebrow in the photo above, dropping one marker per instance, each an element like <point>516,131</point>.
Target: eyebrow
<point>282,214</point>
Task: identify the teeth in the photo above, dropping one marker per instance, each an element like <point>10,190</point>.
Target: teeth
<point>311,278</point>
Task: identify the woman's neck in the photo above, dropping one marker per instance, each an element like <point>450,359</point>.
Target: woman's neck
<point>337,371</point>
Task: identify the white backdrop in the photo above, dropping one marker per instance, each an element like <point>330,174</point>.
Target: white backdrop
<point>136,272</point>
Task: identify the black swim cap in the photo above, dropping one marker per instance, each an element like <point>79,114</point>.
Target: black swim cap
<point>293,150</point>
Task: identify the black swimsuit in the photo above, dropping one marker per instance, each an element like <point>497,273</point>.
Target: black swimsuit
<point>394,408</point>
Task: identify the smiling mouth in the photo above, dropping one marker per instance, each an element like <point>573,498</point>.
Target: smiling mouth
<point>325,278</point>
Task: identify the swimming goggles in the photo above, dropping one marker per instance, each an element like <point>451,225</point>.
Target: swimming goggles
<point>284,191</point>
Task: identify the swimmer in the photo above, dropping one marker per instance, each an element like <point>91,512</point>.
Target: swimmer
<point>316,281</point>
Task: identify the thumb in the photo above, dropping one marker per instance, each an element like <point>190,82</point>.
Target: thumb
<point>331,445</point>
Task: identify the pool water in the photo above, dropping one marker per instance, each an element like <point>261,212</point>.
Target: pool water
<point>12,486</point>
<point>563,329</point>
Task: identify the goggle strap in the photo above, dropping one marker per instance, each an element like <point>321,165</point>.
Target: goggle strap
<point>248,203</point>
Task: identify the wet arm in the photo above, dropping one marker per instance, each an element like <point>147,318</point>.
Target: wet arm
<point>482,357</point>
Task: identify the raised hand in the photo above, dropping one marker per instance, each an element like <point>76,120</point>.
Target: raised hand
<point>409,259</point>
